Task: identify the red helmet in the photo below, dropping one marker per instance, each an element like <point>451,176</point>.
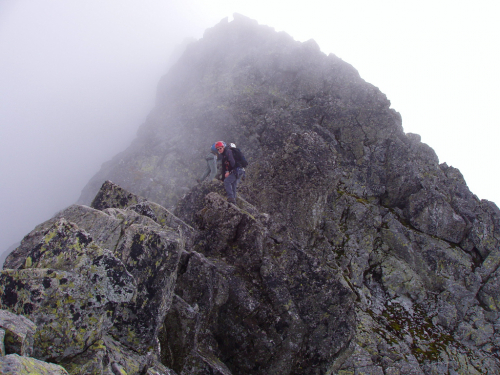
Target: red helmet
<point>220,144</point>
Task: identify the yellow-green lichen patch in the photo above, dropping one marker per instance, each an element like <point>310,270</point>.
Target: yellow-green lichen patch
<point>429,342</point>
<point>15,364</point>
<point>50,235</point>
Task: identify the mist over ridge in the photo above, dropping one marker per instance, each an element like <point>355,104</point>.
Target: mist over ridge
<point>107,48</point>
<point>74,95</point>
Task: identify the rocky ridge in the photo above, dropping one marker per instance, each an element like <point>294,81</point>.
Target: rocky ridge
<point>351,250</point>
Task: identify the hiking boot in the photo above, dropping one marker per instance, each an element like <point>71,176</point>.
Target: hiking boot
<point>231,200</point>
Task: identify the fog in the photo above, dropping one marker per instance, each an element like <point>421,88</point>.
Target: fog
<point>77,79</point>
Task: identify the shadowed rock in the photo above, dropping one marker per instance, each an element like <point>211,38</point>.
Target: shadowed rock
<point>18,333</point>
<point>113,196</point>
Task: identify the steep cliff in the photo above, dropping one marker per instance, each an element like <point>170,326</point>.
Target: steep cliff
<point>351,249</point>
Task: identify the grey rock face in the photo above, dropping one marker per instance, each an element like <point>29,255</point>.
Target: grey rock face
<point>263,307</point>
<point>67,287</point>
<point>16,347</point>
<point>93,300</point>
<point>17,334</point>
<point>430,213</point>
<point>350,249</point>
<point>14,364</point>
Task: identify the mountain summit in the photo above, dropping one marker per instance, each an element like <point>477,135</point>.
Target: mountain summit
<point>351,249</point>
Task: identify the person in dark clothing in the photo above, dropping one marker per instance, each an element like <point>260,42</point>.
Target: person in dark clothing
<point>211,169</point>
<point>230,171</point>
<point>241,174</point>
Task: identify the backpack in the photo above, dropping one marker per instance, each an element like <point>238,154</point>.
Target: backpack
<point>239,158</point>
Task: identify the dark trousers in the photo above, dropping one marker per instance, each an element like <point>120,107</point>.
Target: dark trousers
<point>231,182</point>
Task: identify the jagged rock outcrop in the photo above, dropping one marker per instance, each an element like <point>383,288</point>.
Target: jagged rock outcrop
<point>96,283</point>
<point>233,301</point>
<point>16,347</point>
<point>17,334</point>
<point>351,249</point>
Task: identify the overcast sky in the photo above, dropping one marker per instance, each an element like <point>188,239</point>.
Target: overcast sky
<point>77,78</point>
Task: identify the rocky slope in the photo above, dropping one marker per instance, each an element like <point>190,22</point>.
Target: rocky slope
<point>352,250</point>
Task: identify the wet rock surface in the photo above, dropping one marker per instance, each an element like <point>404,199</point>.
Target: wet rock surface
<point>350,249</point>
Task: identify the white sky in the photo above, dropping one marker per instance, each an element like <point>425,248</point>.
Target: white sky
<point>78,77</point>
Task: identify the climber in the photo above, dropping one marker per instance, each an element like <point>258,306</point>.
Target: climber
<point>240,160</point>
<point>231,171</point>
<point>211,169</point>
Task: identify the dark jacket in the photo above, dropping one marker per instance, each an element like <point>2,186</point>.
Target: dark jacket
<point>228,162</point>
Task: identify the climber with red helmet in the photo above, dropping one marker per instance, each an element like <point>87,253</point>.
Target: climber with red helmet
<point>230,171</point>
